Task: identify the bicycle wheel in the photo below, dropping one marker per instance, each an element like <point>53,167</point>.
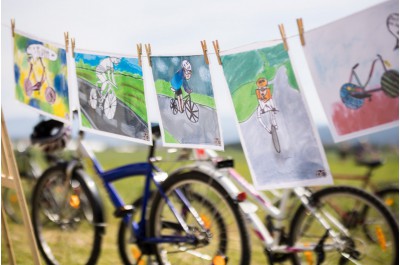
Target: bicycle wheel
<point>348,211</point>
<point>192,111</point>
<point>275,139</point>
<point>50,95</point>
<point>64,220</point>
<point>348,100</point>
<point>110,105</point>
<point>28,87</point>
<point>10,204</point>
<point>173,105</point>
<point>222,233</point>
<point>93,98</point>
<point>390,83</point>
<point>390,197</point>
<point>130,251</point>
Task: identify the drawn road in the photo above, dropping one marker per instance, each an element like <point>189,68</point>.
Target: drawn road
<point>204,132</point>
<point>125,121</point>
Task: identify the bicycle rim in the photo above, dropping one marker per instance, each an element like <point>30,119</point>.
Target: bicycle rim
<point>349,212</point>
<point>64,225</point>
<point>390,197</point>
<point>275,139</point>
<point>110,105</point>
<point>93,98</point>
<point>192,111</point>
<point>223,232</point>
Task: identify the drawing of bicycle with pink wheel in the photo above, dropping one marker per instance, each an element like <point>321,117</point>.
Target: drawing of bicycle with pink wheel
<point>36,54</point>
<point>353,94</point>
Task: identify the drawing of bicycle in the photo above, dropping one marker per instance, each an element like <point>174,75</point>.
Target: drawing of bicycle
<point>189,107</point>
<point>105,100</point>
<point>353,95</point>
<point>37,52</point>
<point>269,123</point>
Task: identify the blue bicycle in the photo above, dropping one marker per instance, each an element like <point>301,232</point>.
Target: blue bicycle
<point>187,218</point>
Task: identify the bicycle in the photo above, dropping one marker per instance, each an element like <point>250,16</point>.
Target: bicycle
<point>270,120</point>
<point>353,95</point>
<point>388,193</point>
<point>335,225</point>
<point>190,108</point>
<point>106,99</point>
<point>37,51</point>
<point>174,223</point>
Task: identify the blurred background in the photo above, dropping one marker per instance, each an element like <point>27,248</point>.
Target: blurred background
<point>174,27</point>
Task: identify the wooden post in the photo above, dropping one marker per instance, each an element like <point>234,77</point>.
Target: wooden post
<point>10,178</point>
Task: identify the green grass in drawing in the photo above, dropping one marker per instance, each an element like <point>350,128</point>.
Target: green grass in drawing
<point>243,69</point>
<point>85,121</point>
<point>130,88</point>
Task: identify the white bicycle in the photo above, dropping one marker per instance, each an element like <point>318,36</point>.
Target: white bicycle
<point>105,100</point>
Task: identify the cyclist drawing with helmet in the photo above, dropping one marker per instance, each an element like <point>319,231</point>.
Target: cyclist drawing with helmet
<point>180,80</point>
<point>266,104</point>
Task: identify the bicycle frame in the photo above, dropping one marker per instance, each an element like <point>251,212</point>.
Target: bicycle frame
<point>270,242</point>
<point>133,170</point>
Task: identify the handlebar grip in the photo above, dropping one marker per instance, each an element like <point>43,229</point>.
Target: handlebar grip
<point>355,66</point>
<point>155,128</point>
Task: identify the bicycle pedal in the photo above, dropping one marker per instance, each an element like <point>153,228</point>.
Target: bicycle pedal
<point>225,163</point>
<point>124,210</point>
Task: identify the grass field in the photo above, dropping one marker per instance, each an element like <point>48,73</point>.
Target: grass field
<point>131,189</point>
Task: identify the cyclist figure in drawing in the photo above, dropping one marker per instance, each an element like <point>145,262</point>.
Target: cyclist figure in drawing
<point>106,99</point>
<point>266,104</point>
<point>105,72</point>
<point>37,53</point>
<point>180,79</point>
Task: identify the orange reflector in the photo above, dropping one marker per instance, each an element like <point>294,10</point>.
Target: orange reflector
<point>206,221</point>
<point>242,196</point>
<point>136,254</point>
<point>381,237</point>
<point>219,260</point>
<point>309,256</point>
<point>389,201</point>
<point>74,201</point>
<point>14,198</point>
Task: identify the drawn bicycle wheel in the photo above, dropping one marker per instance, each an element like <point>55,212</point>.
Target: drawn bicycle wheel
<point>192,111</point>
<point>390,83</point>
<point>348,100</point>
<point>50,95</point>
<point>275,139</point>
<point>93,98</point>
<point>174,106</point>
<point>110,105</point>
<point>28,87</point>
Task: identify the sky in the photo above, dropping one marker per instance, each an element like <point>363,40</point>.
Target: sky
<point>173,27</point>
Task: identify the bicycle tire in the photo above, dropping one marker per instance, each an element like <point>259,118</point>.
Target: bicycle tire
<point>354,221</point>
<point>50,95</point>
<point>60,238</point>
<point>390,83</point>
<point>93,98</point>
<point>275,139</point>
<point>390,197</point>
<point>192,111</point>
<point>173,106</point>
<point>216,207</point>
<point>10,204</point>
<point>110,105</point>
<point>128,250</point>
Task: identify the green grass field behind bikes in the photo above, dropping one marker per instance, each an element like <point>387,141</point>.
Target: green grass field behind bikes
<point>131,189</point>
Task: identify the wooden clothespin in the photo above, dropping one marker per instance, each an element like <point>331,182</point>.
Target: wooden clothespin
<point>13,27</point>
<point>283,34</point>
<point>66,37</point>
<point>301,31</point>
<point>216,48</point>
<point>204,47</point>
<point>148,52</point>
<point>139,51</point>
<point>73,47</point>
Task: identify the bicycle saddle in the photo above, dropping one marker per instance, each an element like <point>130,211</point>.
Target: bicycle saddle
<point>370,163</point>
<point>51,135</point>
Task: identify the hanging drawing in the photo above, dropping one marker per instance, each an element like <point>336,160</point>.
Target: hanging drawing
<point>40,71</point>
<point>354,63</point>
<point>186,102</point>
<point>276,131</point>
<point>111,96</point>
